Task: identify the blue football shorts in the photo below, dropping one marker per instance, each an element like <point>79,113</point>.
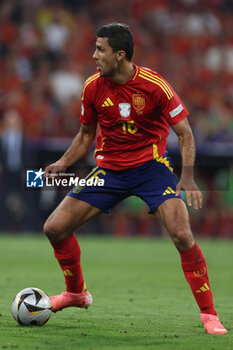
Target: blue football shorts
<point>153,181</point>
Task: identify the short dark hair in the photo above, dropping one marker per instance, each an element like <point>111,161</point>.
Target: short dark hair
<point>119,37</point>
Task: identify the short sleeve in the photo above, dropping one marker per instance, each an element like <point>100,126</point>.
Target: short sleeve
<point>88,113</point>
<point>171,105</point>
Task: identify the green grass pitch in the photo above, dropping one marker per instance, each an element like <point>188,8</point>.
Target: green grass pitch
<point>141,298</point>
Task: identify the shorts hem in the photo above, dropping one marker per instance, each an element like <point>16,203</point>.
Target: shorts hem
<point>162,201</point>
<point>106,211</point>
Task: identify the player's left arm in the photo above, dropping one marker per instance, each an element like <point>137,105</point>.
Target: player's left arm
<point>188,152</point>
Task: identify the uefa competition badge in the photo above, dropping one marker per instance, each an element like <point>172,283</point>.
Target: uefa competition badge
<point>35,178</point>
<point>125,109</point>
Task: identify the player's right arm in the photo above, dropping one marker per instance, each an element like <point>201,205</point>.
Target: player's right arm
<point>78,149</point>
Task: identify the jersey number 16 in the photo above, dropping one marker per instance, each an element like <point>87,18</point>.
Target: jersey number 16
<point>128,126</point>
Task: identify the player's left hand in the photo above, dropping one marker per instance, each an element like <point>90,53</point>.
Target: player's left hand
<point>192,192</point>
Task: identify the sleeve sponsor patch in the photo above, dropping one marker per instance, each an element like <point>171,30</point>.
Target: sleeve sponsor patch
<point>176,111</point>
<point>82,109</point>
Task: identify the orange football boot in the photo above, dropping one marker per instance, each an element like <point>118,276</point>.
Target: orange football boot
<point>67,299</point>
<point>212,324</point>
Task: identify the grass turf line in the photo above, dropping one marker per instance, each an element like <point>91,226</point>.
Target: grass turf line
<point>141,298</point>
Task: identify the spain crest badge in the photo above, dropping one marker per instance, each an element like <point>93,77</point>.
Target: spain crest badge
<point>138,101</point>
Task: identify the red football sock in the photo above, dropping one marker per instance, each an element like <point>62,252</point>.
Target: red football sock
<point>68,254</point>
<point>195,271</point>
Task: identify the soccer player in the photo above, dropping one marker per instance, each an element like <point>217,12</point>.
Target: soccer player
<point>133,107</point>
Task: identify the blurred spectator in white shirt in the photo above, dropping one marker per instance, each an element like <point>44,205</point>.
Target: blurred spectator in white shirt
<point>66,82</point>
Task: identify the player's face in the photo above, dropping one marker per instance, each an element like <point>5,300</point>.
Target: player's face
<point>106,59</point>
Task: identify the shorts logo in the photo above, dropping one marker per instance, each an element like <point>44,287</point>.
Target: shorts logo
<point>125,109</point>
<point>169,190</point>
<point>35,178</point>
<point>138,101</point>
<point>200,272</point>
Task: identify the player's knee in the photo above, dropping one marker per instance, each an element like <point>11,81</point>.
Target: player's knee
<point>183,239</point>
<point>51,230</point>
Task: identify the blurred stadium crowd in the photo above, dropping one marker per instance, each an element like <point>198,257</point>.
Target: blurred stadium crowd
<point>46,54</point>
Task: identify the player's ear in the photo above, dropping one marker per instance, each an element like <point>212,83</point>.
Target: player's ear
<point>120,55</point>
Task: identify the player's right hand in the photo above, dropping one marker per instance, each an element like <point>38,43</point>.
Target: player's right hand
<point>55,168</point>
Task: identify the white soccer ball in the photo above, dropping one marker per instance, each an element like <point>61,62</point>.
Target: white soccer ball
<point>31,307</point>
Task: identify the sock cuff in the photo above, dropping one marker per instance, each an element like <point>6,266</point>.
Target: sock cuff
<point>66,249</point>
<point>192,254</point>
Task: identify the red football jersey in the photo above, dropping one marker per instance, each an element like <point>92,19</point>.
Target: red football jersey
<point>134,117</point>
